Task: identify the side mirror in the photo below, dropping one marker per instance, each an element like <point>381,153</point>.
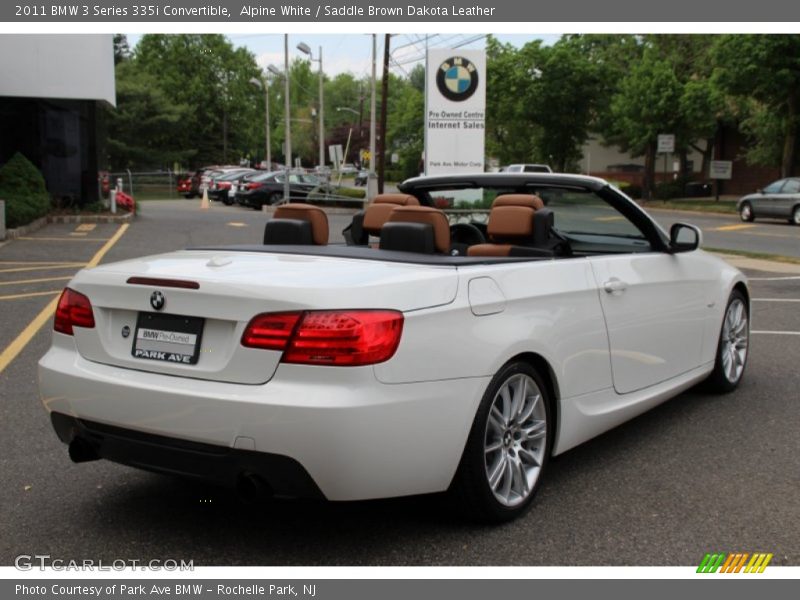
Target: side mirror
<point>684,238</point>
<point>759,191</point>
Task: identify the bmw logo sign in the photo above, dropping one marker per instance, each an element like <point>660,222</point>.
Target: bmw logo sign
<point>457,78</point>
<point>157,300</point>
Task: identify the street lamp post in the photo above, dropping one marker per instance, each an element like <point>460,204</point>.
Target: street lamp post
<point>267,145</point>
<point>306,49</point>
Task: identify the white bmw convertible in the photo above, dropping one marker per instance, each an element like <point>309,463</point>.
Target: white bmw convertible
<point>419,356</point>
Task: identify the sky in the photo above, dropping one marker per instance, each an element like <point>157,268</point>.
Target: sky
<point>352,52</point>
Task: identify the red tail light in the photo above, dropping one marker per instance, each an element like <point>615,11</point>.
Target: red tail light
<point>328,337</point>
<point>270,331</point>
<point>74,310</point>
<point>253,185</point>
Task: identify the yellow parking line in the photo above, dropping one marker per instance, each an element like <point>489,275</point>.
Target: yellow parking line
<point>31,295</point>
<point>237,224</point>
<point>62,239</point>
<point>19,343</point>
<point>47,268</point>
<point>39,280</point>
<point>609,218</point>
<point>736,227</point>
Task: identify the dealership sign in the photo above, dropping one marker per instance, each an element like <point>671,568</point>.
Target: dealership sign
<point>720,169</point>
<point>455,111</point>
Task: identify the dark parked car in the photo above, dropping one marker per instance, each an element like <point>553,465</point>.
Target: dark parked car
<point>267,188</point>
<point>220,185</point>
<point>779,200</point>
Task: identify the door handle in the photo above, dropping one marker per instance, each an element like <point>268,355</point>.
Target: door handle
<point>615,286</point>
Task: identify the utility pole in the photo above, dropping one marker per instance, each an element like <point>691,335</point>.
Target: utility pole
<point>288,125</point>
<point>384,102</point>
<point>371,181</point>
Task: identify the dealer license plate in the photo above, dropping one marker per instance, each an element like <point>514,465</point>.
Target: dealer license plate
<point>168,338</point>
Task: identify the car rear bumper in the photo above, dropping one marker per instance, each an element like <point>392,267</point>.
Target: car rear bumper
<point>281,475</point>
<point>355,437</point>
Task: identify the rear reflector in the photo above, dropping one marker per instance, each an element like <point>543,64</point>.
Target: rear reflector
<point>328,337</point>
<point>74,310</point>
<point>155,281</point>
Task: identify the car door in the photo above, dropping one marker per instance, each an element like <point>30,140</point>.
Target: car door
<point>766,205</point>
<point>655,306</point>
<point>654,303</point>
<point>786,200</point>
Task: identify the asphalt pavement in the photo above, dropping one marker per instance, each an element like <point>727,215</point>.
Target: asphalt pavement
<point>699,473</point>
<point>728,232</point>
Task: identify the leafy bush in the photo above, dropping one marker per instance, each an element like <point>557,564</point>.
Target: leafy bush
<point>23,189</point>
<point>670,189</point>
<point>350,192</point>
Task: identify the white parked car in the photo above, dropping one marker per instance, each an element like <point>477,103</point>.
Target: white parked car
<point>417,358</point>
<point>526,168</point>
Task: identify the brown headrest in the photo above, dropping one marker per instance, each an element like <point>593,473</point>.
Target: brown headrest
<point>305,212</point>
<point>375,216</point>
<point>489,250</point>
<point>528,200</point>
<point>396,199</point>
<point>510,222</point>
<point>431,216</point>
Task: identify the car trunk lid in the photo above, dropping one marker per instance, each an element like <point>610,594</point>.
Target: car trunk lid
<point>232,287</point>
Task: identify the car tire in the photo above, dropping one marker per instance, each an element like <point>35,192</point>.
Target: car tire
<point>274,198</point>
<point>746,212</point>
<point>189,196</point>
<point>508,446</point>
<point>732,346</point>
<point>795,220</point>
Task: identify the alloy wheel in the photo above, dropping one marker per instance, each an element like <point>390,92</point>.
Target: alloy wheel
<point>515,440</point>
<point>735,338</point>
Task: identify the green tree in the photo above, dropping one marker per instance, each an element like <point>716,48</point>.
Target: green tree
<point>763,73</point>
<point>511,130</point>
<point>405,127</point>
<point>212,78</point>
<point>646,105</point>
<point>146,127</point>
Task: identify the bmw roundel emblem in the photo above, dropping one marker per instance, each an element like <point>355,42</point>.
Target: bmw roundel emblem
<point>457,78</point>
<point>157,300</point>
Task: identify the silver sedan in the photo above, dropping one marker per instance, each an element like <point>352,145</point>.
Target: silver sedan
<point>779,200</point>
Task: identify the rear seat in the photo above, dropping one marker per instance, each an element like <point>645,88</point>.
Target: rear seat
<point>416,229</point>
<point>519,225</point>
<point>370,221</point>
<point>297,224</point>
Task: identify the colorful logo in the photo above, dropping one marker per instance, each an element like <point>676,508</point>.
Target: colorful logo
<point>457,78</point>
<point>734,562</point>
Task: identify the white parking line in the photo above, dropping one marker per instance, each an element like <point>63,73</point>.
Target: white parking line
<point>788,278</point>
<point>775,300</point>
<point>775,332</point>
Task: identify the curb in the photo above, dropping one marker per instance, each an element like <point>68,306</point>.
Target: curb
<point>24,230</point>
<point>12,234</point>
<point>759,264</point>
<point>126,218</point>
<point>270,210</point>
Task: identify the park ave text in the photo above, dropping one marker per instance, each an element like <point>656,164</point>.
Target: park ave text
<point>168,589</point>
